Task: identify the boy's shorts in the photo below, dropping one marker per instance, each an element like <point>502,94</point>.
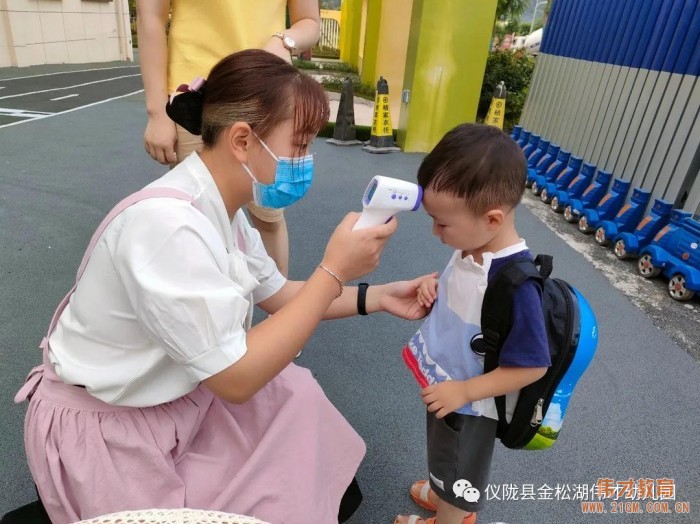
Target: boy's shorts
<point>460,448</point>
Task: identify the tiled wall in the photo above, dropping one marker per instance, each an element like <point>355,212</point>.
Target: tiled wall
<point>616,83</point>
<point>63,31</point>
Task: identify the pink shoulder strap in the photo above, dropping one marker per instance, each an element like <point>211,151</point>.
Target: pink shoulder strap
<point>144,194</point>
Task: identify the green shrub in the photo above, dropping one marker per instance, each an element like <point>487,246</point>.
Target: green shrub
<point>325,52</point>
<point>134,35</point>
<point>359,89</point>
<point>342,67</point>
<point>515,69</point>
<point>524,29</point>
<point>361,132</point>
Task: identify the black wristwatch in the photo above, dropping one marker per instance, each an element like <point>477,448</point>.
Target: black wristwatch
<point>362,297</point>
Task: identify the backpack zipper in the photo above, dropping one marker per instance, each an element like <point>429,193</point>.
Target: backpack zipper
<point>536,419</point>
<point>537,413</point>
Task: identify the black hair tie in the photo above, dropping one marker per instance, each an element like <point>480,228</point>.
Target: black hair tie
<point>185,109</point>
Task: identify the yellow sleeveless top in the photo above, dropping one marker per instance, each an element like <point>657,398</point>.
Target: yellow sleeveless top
<point>202,32</point>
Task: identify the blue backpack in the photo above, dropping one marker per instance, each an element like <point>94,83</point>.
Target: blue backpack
<point>572,332</point>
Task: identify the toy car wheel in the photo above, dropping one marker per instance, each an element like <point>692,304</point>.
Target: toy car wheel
<point>583,226</point>
<point>535,189</point>
<point>677,288</point>
<point>555,205</point>
<point>543,195</point>
<point>600,237</point>
<point>621,250</point>
<point>646,267</point>
<point>528,183</point>
<point>569,215</point>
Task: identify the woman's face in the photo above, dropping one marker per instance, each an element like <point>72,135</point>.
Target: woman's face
<point>283,142</point>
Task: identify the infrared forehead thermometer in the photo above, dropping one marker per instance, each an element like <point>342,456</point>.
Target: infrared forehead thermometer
<point>384,197</point>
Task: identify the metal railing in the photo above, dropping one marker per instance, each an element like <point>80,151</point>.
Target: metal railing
<point>330,33</point>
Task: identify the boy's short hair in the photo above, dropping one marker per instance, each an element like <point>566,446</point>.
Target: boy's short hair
<point>478,163</point>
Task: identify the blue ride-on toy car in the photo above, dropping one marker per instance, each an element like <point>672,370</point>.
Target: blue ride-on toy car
<point>574,190</point>
<point>515,133</point>
<point>676,252</point>
<point>628,244</point>
<point>543,165</point>
<point>606,209</point>
<point>593,194</point>
<point>562,181</point>
<point>626,219</point>
<point>524,138</point>
<point>531,145</point>
<point>551,174</point>
<point>538,153</point>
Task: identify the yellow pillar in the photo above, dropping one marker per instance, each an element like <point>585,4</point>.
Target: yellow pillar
<point>447,49</point>
<point>385,46</point>
<point>373,20</point>
<point>364,8</point>
<point>350,24</point>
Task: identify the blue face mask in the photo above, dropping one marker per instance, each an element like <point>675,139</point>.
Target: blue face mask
<point>292,180</point>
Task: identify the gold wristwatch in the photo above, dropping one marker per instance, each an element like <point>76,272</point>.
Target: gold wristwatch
<point>287,41</point>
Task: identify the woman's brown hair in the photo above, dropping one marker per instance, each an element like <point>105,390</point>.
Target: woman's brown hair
<point>260,88</point>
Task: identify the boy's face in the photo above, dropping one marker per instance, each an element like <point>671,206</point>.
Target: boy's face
<point>456,225</point>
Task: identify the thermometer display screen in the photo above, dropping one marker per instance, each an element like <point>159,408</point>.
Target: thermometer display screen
<point>370,191</point>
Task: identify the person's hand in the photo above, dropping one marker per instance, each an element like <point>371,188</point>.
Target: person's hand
<point>160,138</point>
<point>445,397</point>
<point>427,291</point>
<point>276,47</point>
<point>401,298</point>
<point>352,254</point>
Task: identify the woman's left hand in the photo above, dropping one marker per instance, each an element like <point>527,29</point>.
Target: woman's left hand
<point>401,298</point>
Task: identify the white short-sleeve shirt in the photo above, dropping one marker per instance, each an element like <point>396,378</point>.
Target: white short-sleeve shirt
<point>166,298</point>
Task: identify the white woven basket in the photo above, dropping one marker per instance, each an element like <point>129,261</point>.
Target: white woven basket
<point>172,516</point>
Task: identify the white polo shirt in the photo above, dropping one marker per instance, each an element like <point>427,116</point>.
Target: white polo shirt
<point>166,298</point>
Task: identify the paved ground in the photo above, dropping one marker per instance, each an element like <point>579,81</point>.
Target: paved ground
<point>27,96</point>
<point>48,94</point>
<point>634,415</point>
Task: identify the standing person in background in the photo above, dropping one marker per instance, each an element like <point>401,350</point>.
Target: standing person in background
<point>199,35</point>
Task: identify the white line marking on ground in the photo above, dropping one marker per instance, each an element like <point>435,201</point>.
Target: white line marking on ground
<point>22,113</point>
<point>2,87</point>
<point>68,87</point>
<point>74,109</point>
<point>64,97</point>
<point>69,72</point>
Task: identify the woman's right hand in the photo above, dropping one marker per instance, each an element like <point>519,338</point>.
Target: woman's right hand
<point>352,254</point>
<point>160,138</point>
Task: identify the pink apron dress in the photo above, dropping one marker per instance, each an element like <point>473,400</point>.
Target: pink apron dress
<point>286,456</point>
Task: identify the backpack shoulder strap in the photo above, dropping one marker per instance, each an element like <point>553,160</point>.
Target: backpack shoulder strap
<point>497,313</point>
<point>144,194</point>
<point>496,310</point>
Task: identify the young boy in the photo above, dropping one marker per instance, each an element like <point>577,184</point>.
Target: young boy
<point>472,182</point>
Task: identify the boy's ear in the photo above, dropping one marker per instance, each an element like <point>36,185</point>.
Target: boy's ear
<point>495,217</point>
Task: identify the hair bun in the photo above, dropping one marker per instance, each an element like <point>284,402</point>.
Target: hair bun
<point>185,109</point>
